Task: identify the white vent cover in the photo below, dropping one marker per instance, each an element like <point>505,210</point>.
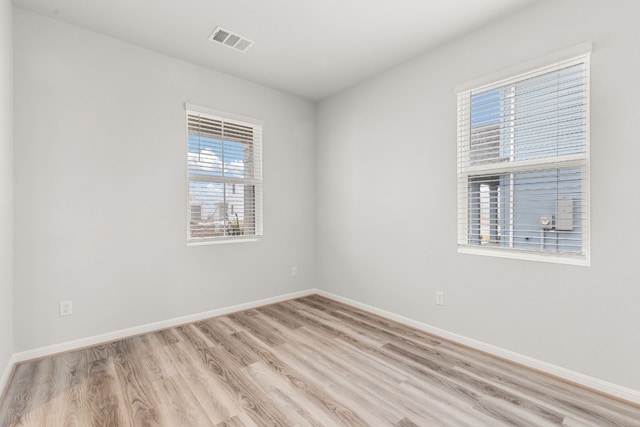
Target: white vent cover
<point>230,39</point>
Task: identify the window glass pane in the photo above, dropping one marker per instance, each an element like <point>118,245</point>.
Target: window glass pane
<point>485,210</point>
<point>205,156</point>
<point>539,194</point>
<point>543,116</point>
<point>235,154</point>
<point>221,209</point>
<point>215,157</point>
<point>486,108</point>
<point>549,115</point>
<point>487,140</point>
<point>506,210</point>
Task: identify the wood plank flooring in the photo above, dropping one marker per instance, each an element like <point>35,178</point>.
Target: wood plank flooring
<point>304,362</point>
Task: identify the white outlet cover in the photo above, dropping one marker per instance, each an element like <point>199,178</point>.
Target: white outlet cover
<point>66,308</point>
<point>439,298</point>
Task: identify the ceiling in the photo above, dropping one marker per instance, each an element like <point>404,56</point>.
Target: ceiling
<point>311,48</point>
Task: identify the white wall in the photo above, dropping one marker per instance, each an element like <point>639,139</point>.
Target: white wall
<point>386,183</point>
<point>6,183</point>
<point>100,186</point>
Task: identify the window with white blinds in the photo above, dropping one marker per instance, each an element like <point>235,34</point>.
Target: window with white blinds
<point>523,165</point>
<point>224,168</point>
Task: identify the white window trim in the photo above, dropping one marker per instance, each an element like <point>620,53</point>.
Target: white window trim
<point>509,73</point>
<point>223,241</point>
<point>575,54</point>
<point>231,117</point>
<point>259,206</point>
<point>526,255</point>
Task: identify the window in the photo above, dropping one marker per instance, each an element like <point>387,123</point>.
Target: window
<point>224,168</point>
<point>523,165</point>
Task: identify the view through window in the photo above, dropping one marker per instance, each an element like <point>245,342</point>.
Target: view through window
<point>224,175</point>
<point>523,162</point>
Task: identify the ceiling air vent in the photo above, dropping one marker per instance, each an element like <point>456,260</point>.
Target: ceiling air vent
<point>230,39</point>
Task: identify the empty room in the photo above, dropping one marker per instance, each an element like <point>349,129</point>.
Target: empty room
<point>319,213</point>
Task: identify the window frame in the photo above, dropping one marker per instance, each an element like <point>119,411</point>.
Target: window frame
<point>256,181</point>
<point>579,54</point>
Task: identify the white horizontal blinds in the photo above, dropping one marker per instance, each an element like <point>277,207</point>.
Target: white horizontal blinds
<point>224,171</point>
<point>522,161</point>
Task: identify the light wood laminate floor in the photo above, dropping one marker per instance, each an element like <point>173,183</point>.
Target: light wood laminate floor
<point>310,361</point>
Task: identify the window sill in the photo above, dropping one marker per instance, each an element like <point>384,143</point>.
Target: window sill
<point>580,260</point>
<point>224,241</point>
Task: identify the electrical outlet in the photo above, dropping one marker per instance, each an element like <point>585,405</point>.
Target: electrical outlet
<point>439,298</point>
<point>294,271</point>
<point>66,308</point>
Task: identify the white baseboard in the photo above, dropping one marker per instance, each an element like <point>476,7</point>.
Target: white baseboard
<point>150,327</point>
<point>4,378</point>
<point>605,387</point>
